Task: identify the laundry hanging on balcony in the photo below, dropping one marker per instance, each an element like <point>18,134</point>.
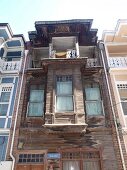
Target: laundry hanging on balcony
<point>61,55</point>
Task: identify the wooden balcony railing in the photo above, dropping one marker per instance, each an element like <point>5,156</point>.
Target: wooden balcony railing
<point>92,62</point>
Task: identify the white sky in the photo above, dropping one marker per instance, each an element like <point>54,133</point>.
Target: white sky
<point>22,14</point>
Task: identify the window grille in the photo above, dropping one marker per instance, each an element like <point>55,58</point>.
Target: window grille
<point>122,86</point>
<point>29,158</point>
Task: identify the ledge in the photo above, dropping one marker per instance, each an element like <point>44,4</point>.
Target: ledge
<point>66,128</point>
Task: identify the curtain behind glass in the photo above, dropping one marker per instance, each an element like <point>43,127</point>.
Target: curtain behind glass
<point>64,88</point>
<point>36,95</point>
<point>71,165</point>
<point>91,165</point>
<point>64,98</point>
<point>64,103</point>
<point>36,103</point>
<point>92,93</point>
<point>93,101</point>
<point>35,109</point>
<point>94,107</point>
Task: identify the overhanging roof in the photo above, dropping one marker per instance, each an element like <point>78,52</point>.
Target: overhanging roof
<point>80,28</point>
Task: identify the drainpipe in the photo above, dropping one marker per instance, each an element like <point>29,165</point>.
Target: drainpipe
<point>114,117</point>
<point>16,116</point>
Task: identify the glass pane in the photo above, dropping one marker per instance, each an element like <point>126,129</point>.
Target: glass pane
<point>94,107</point>
<point>14,53</point>
<point>3,145</point>
<point>9,123</point>
<point>35,109</point>
<point>2,122</point>
<point>64,103</point>
<point>7,80</point>
<point>92,93</point>
<point>64,88</point>
<point>91,165</point>
<point>3,109</point>
<point>124,106</point>
<point>71,165</point>
<point>36,95</point>
<point>14,43</point>
<point>5,97</point>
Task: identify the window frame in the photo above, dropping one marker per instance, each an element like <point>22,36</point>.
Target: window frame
<point>43,102</point>
<point>7,117</point>
<point>82,156</point>
<point>121,85</point>
<point>64,95</point>
<point>92,83</point>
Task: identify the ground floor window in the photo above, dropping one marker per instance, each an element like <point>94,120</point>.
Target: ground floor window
<point>81,161</point>
<point>71,165</point>
<point>91,165</point>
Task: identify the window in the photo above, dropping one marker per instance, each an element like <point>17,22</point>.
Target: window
<point>64,94</point>
<point>13,43</point>
<point>124,105</point>
<point>36,101</point>
<point>5,116</point>
<point>27,158</point>
<point>4,34</point>
<point>3,147</point>
<point>1,52</point>
<point>14,53</point>
<point>91,165</point>
<point>93,101</point>
<point>122,88</point>
<point>7,80</point>
<point>86,160</point>
<point>71,165</point>
<point>4,101</point>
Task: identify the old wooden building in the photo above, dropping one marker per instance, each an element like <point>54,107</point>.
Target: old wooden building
<point>64,115</point>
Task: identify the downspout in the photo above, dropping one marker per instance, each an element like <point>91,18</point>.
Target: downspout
<point>16,116</point>
<point>114,117</point>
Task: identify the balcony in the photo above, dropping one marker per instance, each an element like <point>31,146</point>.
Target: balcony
<point>117,62</point>
<point>10,66</point>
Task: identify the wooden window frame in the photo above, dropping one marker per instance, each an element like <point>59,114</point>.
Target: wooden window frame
<point>71,95</point>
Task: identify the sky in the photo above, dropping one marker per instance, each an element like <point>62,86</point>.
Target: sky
<point>22,14</point>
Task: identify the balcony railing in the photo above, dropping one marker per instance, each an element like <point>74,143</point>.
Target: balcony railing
<point>10,66</point>
<point>66,54</point>
<point>92,62</point>
<point>117,62</point>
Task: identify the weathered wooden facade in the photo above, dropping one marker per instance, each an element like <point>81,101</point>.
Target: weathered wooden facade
<point>64,118</point>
